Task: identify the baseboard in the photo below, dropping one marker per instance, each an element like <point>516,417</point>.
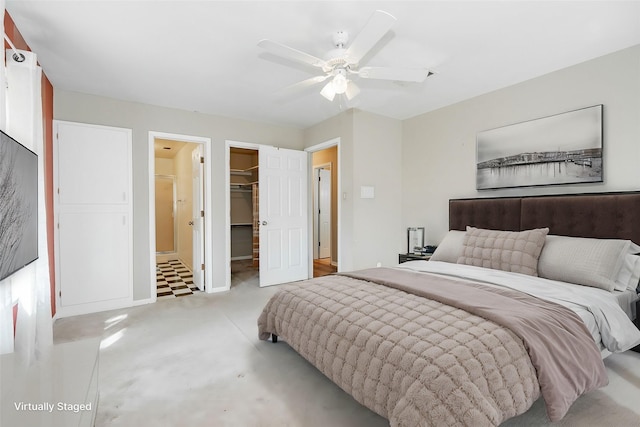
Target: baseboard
<point>137,302</point>
<point>94,307</point>
<point>217,290</point>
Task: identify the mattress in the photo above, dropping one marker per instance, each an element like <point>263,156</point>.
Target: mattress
<point>606,314</point>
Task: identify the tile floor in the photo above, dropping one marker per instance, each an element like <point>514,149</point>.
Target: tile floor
<point>174,279</point>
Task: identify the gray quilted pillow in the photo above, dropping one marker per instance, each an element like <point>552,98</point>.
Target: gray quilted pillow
<point>514,251</point>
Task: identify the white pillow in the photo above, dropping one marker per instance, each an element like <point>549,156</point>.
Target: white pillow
<point>584,261</point>
<point>629,274</point>
<point>450,248</point>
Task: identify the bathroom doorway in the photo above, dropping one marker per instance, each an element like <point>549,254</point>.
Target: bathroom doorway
<point>179,215</point>
<point>325,217</point>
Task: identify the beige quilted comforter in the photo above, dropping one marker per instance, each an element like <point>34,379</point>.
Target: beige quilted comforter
<point>417,361</point>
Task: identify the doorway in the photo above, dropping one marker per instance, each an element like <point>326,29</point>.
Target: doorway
<point>179,214</point>
<point>325,211</point>
<point>280,223</point>
<point>243,207</point>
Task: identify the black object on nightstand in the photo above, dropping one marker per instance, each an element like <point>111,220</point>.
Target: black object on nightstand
<point>413,257</point>
<point>637,323</point>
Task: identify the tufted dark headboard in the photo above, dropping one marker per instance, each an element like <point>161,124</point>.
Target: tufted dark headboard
<point>599,215</point>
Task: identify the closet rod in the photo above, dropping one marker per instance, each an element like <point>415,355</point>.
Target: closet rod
<point>241,190</point>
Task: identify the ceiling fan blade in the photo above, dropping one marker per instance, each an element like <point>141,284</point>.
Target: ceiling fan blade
<point>291,53</point>
<point>397,74</point>
<point>294,91</point>
<point>297,87</point>
<point>377,26</point>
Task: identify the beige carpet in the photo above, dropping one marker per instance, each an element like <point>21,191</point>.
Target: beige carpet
<point>197,361</point>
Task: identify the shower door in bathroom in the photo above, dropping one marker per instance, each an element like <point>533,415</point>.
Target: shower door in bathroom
<point>165,213</point>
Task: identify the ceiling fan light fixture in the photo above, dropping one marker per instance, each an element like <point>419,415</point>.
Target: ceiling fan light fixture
<point>352,90</point>
<point>328,91</point>
<point>339,83</point>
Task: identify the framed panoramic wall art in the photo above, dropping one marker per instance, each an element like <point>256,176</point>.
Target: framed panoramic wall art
<point>561,149</point>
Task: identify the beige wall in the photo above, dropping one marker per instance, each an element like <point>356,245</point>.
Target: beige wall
<point>164,166</point>
<point>414,165</point>
<point>370,155</point>
<point>165,213</point>
<point>438,157</point>
<point>377,223</point>
<point>142,118</point>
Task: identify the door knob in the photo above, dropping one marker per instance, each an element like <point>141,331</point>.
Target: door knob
<point>190,222</point>
<point>264,222</point>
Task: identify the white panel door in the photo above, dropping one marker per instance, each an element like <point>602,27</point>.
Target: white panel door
<point>197,222</point>
<point>283,216</point>
<point>94,215</point>
<point>90,241</point>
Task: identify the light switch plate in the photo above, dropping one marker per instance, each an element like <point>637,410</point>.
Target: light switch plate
<point>367,192</point>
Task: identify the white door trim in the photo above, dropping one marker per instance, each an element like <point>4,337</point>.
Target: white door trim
<point>197,230</point>
<point>208,241</point>
<point>318,147</point>
<point>228,144</point>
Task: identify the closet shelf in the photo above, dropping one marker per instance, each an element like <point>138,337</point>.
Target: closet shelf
<point>241,224</point>
<point>244,184</point>
<point>245,172</point>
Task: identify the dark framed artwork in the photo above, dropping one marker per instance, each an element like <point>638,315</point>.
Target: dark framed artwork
<point>18,206</point>
<point>561,149</point>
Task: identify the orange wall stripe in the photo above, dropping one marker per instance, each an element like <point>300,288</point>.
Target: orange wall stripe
<point>47,118</point>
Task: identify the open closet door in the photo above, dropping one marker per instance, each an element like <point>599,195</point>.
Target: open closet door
<point>283,215</point>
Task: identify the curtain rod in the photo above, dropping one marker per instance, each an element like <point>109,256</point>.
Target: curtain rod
<point>17,56</point>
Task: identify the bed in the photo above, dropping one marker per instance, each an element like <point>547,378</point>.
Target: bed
<point>522,300</point>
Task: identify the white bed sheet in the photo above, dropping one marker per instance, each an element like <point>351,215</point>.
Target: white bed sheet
<point>600,310</point>
<point>626,300</point>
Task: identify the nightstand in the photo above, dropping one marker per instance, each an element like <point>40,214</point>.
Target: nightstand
<point>637,323</point>
<point>412,257</point>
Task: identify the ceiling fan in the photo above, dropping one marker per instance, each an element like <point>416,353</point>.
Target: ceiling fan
<point>342,64</point>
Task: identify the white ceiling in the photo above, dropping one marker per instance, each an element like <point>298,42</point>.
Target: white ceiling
<point>203,55</point>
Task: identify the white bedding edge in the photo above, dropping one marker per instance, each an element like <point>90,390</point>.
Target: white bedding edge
<point>600,310</point>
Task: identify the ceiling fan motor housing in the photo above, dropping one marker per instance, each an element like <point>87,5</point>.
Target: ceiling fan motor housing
<point>340,39</point>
